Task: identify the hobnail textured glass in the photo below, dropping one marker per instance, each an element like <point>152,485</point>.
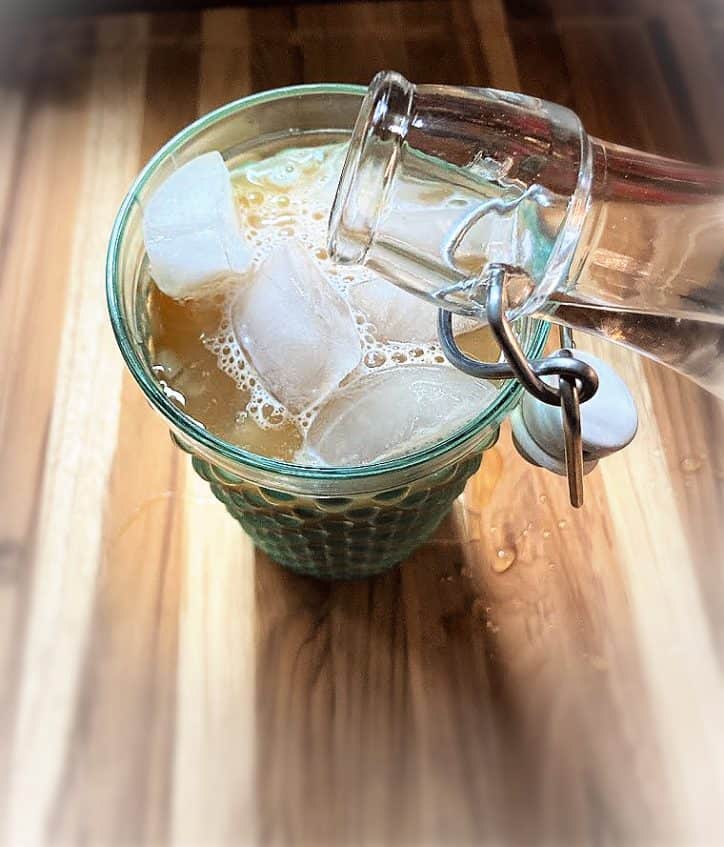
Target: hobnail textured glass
<point>340,537</point>
<point>334,523</point>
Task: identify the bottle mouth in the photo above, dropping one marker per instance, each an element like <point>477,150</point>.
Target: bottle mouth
<point>402,127</point>
<point>369,167</point>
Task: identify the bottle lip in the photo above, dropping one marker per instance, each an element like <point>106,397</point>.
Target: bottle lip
<point>369,167</point>
<point>368,175</point>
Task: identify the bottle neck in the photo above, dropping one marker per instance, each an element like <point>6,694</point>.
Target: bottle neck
<point>652,238</point>
<point>623,173</point>
<point>648,269</point>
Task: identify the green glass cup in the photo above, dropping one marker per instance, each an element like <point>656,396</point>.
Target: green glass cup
<point>328,522</point>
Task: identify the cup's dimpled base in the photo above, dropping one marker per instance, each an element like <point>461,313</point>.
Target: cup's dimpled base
<point>340,537</point>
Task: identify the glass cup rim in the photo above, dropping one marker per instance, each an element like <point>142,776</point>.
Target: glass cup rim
<point>189,427</point>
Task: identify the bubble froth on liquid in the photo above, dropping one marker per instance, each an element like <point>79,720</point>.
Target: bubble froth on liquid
<point>284,197</point>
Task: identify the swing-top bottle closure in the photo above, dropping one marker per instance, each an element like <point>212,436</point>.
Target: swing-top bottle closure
<point>498,205</point>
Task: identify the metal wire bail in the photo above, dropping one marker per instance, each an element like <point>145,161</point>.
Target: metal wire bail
<point>577,380</point>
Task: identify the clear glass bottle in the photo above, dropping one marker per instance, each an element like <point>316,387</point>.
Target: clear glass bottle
<point>441,182</point>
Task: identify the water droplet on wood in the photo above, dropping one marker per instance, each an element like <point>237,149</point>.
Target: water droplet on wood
<point>691,464</point>
<point>504,559</point>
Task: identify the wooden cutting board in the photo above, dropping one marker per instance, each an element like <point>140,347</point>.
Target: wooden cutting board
<point>162,683</point>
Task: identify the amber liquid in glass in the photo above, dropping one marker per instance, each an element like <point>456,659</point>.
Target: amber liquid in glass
<point>283,191</point>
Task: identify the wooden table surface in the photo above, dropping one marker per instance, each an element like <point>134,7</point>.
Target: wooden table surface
<point>163,683</point>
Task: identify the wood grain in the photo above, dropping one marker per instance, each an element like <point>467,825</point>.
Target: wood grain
<point>163,683</point>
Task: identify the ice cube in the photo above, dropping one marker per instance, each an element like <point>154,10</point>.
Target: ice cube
<point>400,316</point>
<point>454,225</point>
<point>191,228</point>
<point>393,412</point>
<point>427,217</point>
<point>295,327</point>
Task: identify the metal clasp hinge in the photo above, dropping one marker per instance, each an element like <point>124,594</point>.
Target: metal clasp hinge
<point>577,380</point>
